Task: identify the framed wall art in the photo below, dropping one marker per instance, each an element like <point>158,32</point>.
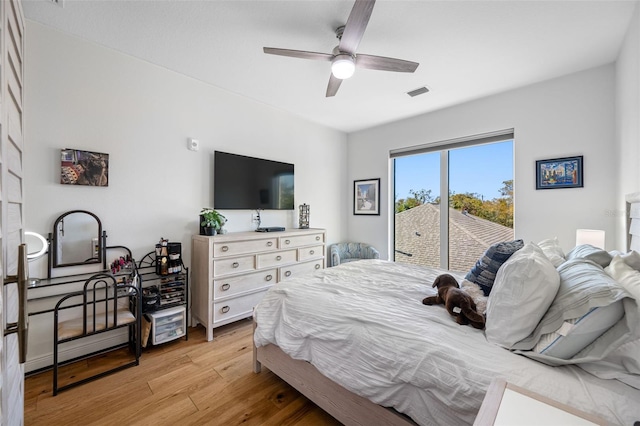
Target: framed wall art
<point>559,173</point>
<point>366,197</point>
<point>84,168</point>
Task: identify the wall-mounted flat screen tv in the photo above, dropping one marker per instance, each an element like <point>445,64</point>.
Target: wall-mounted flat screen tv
<point>249,183</point>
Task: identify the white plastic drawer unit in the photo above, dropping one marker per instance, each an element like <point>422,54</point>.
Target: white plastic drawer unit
<point>167,324</point>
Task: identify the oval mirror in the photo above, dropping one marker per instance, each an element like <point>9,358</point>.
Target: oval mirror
<point>76,239</point>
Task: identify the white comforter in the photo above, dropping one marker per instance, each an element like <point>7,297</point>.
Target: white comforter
<point>364,326</point>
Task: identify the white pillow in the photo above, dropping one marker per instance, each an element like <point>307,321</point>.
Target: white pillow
<point>577,333</point>
<point>523,290</point>
<point>551,248</point>
<point>626,275</point>
<point>616,353</point>
<point>632,259</point>
<point>621,344</point>
<point>584,285</point>
<point>587,251</point>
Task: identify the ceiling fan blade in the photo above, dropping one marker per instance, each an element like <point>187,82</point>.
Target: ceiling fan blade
<point>355,26</point>
<point>334,85</point>
<point>298,54</point>
<point>385,64</point>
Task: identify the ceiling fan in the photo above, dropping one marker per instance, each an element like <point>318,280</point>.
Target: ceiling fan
<point>344,59</point>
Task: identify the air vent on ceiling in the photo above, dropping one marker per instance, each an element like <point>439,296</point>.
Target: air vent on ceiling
<point>418,91</point>
<point>58,2</point>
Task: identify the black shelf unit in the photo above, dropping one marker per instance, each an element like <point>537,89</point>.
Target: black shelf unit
<point>174,287</point>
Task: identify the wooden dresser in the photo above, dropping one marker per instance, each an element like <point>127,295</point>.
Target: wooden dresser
<point>231,272</point>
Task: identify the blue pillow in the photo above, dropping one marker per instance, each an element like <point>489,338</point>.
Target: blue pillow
<point>577,333</point>
<point>484,271</point>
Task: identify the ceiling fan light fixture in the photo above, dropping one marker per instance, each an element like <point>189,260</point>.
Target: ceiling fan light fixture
<point>343,66</point>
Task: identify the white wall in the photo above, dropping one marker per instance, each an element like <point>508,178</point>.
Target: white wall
<point>81,95</point>
<point>628,119</point>
<point>572,115</point>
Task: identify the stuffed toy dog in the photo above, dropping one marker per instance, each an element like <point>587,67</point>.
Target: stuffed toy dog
<point>458,303</point>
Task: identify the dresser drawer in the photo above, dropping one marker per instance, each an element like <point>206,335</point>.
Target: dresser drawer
<point>234,265</point>
<point>308,253</point>
<point>279,258</point>
<point>234,248</point>
<point>301,240</point>
<point>288,272</point>
<point>228,287</point>
<point>239,307</point>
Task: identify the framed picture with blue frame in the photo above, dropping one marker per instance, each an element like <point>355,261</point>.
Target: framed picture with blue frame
<point>557,173</point>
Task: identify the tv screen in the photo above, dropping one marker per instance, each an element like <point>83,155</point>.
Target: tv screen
<point>249,183</point>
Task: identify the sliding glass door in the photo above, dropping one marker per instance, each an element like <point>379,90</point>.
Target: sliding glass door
<point>417,209</point>
<point>478,211</point>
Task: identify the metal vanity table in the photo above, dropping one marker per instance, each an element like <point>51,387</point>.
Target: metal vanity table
<point>77,240</point>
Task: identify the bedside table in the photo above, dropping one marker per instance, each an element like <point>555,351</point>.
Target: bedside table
<point>508,404</point>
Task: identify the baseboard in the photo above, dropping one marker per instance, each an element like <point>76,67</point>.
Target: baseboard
<point>77,349</point>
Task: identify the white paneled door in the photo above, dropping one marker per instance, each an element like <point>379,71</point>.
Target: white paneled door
<point>11,196</point>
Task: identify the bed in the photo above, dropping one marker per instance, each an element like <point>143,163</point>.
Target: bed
<point>357,341</point>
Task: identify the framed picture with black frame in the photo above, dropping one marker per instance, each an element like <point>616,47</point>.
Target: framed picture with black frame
<point>78,167</point>
<point>557,173</point>
<point>366,197</point>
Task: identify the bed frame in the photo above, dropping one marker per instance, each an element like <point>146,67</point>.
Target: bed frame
<point>345,406</point>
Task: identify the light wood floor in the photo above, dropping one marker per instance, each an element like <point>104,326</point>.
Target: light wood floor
<point>192,382</point>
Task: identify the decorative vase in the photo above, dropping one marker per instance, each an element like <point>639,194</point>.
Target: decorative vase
<point>303,218</point>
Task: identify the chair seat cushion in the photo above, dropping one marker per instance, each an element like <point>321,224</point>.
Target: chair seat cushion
<point>73,326</point>
<point>348,260</point>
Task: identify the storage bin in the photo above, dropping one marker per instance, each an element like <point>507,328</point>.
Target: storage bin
<point>168,324</point>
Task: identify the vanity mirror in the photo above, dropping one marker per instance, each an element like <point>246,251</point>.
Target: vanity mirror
<point>77,239</point>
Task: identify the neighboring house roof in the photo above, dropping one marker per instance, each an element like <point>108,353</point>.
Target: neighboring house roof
<point>418,235</point>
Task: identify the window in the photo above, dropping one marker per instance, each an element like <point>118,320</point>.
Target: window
<point>477,175</point>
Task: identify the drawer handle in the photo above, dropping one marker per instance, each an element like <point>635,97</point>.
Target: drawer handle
<point>317,237</point>
<point>268,277</point>
<point>226,287</point>
<point>312,252</point>
<point>317,266</point>
<point>278,257</point>
<point>225,248</point>
<point>235,264</point>
<point>287,241</point>
<point>287,274</point>
<point>225,309</point>
<point>269,243</point>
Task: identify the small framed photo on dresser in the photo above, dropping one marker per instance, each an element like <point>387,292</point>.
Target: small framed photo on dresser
<point>366,197</point>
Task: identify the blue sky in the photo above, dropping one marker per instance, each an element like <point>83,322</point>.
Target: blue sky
<point>480,169</point>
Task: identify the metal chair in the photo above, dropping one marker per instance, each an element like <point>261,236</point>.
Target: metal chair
<point>102,306</point>
<point>349,252</point>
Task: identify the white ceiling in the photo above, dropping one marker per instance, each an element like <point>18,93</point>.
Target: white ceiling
<point>466,49</point>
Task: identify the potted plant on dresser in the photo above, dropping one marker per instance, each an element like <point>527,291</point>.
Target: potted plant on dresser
<point>211,221</point>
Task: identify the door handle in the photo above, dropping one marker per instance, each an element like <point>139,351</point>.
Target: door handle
<point>22,326</point>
